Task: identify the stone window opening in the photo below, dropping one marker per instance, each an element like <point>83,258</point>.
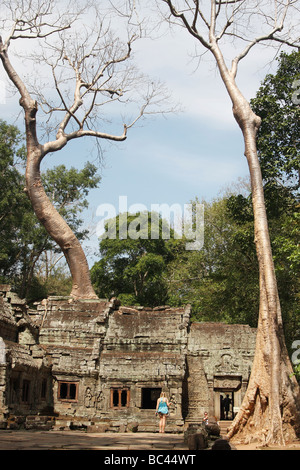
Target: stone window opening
<point>150,397</point>
<point>25,391</point>
<point>14,391</point>
<point>119,398</point>
<point>44,389</point>
<point>68,391</point>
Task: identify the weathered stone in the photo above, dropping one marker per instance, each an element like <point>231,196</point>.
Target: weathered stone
<point>100,366</point>
<point>44,423</point>
<point>97,428</point>
<point>127,311</point>
<point>212,427</point>
<point>196,437</point>
<point>5,288</point>
<point>221,444</point>
<point>197,441</point>
<point>133,426</point>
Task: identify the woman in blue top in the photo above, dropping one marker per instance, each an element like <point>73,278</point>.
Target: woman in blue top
<point>162,409</point>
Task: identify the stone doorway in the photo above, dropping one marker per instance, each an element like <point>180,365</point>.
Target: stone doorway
<point>226,405</point>
<point>227,396</point>
<point>150,397</point>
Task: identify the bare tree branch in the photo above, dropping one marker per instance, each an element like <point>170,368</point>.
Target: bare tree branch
<point>265,410</point>
<point>240,20</point>
<point>92,77</point>
<point>189,25</point>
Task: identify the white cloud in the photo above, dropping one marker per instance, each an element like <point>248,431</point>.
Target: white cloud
<point>197,85</point>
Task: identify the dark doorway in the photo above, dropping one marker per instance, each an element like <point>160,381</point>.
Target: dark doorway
<point>149,398</point>
<point>226,405</point>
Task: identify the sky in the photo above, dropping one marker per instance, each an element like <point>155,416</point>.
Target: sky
<point>197,152</point>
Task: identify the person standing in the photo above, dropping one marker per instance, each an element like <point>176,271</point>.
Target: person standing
<point>162,409</point>
<point>205,418</point>
<point>226,404</point>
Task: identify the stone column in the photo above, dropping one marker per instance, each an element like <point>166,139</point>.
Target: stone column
<point>197,390</point>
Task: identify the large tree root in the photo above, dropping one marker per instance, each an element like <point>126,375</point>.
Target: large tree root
<point>266,424</point>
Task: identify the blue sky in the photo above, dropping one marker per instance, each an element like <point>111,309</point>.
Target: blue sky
<point>170,161</point>
<point>197,152</point>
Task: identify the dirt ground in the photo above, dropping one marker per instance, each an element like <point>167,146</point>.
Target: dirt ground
<point>75,440</point>
<point>254,446</point>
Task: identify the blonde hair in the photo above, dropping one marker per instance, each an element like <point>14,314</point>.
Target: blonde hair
<point>162,395</point>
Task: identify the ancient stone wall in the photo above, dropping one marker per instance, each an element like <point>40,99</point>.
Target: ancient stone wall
<point>220,357</point>
<point>144,353</point>
<point>101,366</point>
<point>25,380</point>
<point>72,334</point>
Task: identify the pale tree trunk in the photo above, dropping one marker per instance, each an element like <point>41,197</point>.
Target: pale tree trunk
<point>89,68</point>
<point>55,225</point>
<point>270,410</point>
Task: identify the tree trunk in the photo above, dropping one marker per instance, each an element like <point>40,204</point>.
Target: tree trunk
<point>45,211</point>
<point>55,225</point>
<point>270,411</point>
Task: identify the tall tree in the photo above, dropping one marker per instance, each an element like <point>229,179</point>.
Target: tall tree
<point>13,202</point>
<point>278,146</point>
<point>270,410</point>
<point>67,190</point>
<point>23,239</point>
<point>88,68</point>
<point>277,101</point>
<point>220,280</point>
<point>132,267</point>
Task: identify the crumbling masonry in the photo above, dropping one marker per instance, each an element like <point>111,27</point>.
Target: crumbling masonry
<point>100,366</point>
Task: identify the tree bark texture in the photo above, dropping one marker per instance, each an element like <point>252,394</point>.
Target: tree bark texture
<point>55,225</point>
<point>270,412</point>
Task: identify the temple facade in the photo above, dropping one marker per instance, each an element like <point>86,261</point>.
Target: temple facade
<point>101,366</point>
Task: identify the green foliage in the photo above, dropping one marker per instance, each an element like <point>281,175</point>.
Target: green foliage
<point>57,283</point>
<point>132,268</point>
<point>297,372</point>
<point>278,137</point>
<point>13,202</point>
<point>220,281</point>
<point>23,239</point>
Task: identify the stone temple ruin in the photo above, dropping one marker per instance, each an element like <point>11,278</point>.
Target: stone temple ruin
<point>100,366</point>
